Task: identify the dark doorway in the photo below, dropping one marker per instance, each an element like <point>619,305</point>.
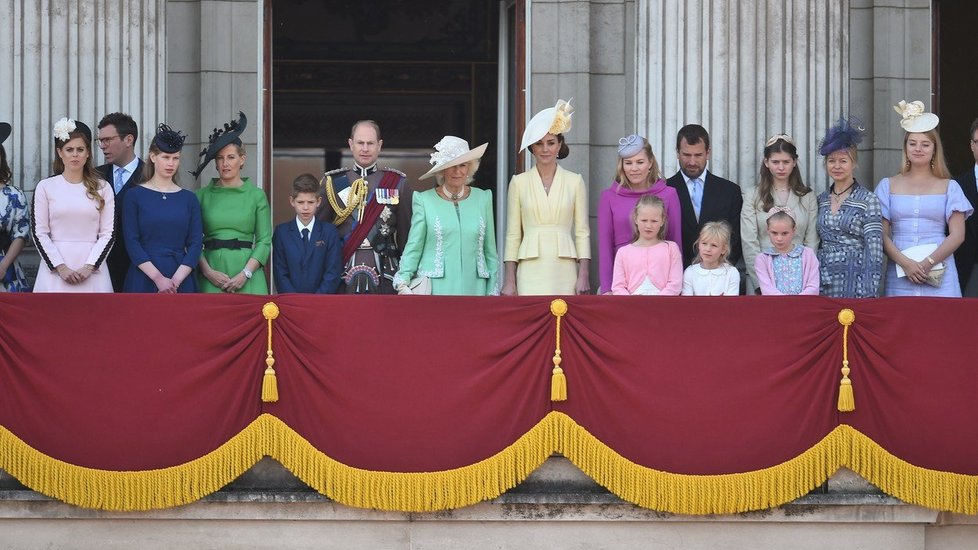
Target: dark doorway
<point>422,69</point>
<point>956,78</point>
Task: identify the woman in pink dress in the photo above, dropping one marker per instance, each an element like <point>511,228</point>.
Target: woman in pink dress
<point>73,217</point>
<point>638,175</point>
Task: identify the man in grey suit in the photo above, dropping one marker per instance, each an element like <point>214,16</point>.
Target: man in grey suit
<point>966,254</point>
<point>117,133</point>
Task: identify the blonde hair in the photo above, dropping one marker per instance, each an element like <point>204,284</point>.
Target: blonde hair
<point>655,173</point>
<point>719,231</point>
<point>938,164</point>
<point>473,168</point>
<point>656,202</point>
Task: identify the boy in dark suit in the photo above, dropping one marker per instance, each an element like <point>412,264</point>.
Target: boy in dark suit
<point>307,254</point>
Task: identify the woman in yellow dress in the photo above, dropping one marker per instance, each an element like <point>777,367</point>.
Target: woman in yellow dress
<point>548,240</point>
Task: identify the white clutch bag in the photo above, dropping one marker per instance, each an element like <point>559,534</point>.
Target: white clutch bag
<point>418,285</point>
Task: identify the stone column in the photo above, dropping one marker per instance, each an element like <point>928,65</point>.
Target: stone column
<point>744,70</point>
<point>79,59</point>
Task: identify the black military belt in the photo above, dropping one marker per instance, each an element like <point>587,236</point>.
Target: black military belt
<point>233,244</point>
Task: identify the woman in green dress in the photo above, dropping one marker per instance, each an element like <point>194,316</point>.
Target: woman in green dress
<point>237,219</point>
<point>452,241</point>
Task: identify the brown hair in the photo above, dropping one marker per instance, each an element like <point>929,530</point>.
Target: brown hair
<point>938,164</point>
<point>365,122</point>
<point>5,173</point>
<point>654,201</point>
<point>693,134</point>
<point>305,183</point>
<point>90,177</point>
<point>149,170</point>
<point>764,200</point>
<point>564,150</point>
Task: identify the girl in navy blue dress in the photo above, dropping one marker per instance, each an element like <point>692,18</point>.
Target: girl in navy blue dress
<point>162,224</point>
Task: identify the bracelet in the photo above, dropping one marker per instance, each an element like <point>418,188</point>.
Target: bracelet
<point>931,260</point>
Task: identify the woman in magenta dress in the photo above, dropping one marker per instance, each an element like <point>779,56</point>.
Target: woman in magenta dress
<point>638,175</point>
<point>163,228</point>
<point>73,217</point>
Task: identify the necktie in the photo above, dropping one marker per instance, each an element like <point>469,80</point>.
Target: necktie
<point>305,235</point>
<point>697,196</point>
<point>118,183</point>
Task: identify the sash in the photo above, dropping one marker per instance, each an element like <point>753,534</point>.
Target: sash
<point>370,214</point>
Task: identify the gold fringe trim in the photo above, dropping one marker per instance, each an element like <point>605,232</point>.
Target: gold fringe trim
<point>133,490</point>
<point>933,489</point>
<point>486,479</point>
<point>415,492</point>
<point>702,494</point>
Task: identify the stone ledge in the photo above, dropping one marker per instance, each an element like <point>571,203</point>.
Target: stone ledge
<point>557,491</point>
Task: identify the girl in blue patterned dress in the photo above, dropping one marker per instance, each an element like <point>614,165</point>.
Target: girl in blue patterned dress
<point>14,225</point>
<point>850,223</point>
<point>785,268</point>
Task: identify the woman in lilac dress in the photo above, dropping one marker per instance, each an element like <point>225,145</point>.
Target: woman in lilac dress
<point>638,175</point>
<point>923,212</point>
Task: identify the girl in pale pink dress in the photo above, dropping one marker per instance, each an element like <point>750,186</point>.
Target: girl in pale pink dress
<point>650,265</point>
<point>73,216</point>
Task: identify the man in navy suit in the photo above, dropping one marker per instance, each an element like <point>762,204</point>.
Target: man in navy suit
<point>117,133</point>
<point>703,196</point>
<point>307,256</point>
<point>966,254</point>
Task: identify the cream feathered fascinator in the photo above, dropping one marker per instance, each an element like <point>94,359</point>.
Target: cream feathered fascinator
<point>914,119</point>
<point>452,151</point>
<point>552,120</point>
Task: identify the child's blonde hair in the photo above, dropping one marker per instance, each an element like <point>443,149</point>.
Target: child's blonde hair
<point>718,230</point>
<point>649,200</point>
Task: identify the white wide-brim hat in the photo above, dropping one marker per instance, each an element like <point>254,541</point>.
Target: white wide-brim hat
<point>452,151</point>
<point>913,117</point>
<point>552,120</point>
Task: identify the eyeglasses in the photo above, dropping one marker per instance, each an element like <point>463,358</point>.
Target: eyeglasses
<point>974,142</point>
<point>774,139</point>
<point>107,139</point>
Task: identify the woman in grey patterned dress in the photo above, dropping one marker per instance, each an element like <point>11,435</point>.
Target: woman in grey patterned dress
<point>850,222</point>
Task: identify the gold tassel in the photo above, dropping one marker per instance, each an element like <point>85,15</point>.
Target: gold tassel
<point>558,382</point>
<point>269,384</point>
<point>847,401</point>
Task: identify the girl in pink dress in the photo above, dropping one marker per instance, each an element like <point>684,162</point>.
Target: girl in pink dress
<point>650,265</point>
<point>73,217</point>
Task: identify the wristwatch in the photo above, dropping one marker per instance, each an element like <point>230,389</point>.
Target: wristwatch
<point>247,273</point>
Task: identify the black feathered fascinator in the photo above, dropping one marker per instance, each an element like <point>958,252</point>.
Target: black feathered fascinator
<point>845,134</point>
<point>168,140</point>
<point>221,138</point>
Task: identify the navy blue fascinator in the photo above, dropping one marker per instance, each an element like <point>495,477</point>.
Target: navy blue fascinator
<point>168,140</point>
<point>221,138</point>
<point>846,133</point>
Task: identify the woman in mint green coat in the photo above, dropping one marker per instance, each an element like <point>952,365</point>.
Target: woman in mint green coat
<point>452,242</point>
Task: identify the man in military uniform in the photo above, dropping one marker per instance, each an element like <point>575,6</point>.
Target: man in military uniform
<point>371,207</point>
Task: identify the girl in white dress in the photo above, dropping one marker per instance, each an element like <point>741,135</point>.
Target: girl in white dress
<point>711,274</point>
